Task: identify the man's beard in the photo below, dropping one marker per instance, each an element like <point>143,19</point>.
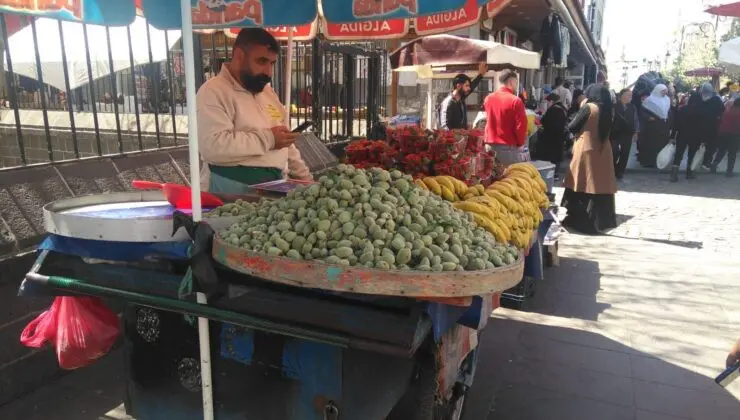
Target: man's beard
<point>254,84</point>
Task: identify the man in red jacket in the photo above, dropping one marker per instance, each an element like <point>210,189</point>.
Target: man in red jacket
<point>506,128</point>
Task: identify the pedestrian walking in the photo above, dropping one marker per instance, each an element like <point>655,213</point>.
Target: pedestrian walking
<point>506,125</point>
<point>626,124</point>
<point>453,112</point>
<point>590,185</point>
<point>711,113</point>
<point>551,141</point>
<point>688,134</point>
<point>729,138</point>
<point>654,128</point>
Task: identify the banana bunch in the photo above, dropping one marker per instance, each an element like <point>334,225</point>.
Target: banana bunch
<point>520,196</point>
<point>449,188</point>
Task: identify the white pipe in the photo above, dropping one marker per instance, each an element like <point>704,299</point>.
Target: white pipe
<point>204,335</point>
<point>206,378</point>
<point>565,14</point>
<point>430,105</point>
<point>288,74</point>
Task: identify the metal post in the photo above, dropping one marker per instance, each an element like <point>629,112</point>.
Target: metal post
<point>10,83</point>
<point>170,77</point>
<point>349,93</point>
<point>136,94</point>
<point>199,68</point>
<point>288,86</point>
<point>114,87</point>
<point>203,328</point>
<point>90,84</point>
<point>68,92</point>
<point>42,89</point>
<point>373,74</point>
<point>154,84</point>
<point>316,75</point>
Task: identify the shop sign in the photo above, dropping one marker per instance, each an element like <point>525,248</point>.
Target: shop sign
<point>74,7</point>
<point>300,33</point>
<point>449,21</point>
<point>377,29</point>
<point>221,12</point>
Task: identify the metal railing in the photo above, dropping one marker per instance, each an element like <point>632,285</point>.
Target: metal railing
<point>136,106</point>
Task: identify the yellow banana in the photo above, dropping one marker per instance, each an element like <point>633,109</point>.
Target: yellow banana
<point>472,191</point>
<point>504,229</point>
<point>419,183</point>
<point>475,208</point>
<point>487,201</point>
<point>433,185</point>
<point>448,195</point>
<point>445,182</point>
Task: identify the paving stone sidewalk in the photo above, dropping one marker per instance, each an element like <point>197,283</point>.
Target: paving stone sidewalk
<point>632,326</point>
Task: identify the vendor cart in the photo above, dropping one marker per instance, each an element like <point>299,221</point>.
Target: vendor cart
<point>296,341</point>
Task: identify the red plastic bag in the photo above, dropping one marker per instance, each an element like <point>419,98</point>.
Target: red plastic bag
<point>81,329</point>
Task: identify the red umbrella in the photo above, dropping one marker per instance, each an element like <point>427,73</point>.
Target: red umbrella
<point>729,9</point>
<point>705,72</point>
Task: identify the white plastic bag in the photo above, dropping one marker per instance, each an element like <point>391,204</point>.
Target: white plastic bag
<point>698,158</point>
<point>665,157</point>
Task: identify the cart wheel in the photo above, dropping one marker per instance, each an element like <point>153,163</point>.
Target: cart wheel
<point>420,402</point>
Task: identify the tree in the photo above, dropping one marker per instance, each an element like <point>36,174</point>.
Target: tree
<point>698,48</point>
<point>734,31</point>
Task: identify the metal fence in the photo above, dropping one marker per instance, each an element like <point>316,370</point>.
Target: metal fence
<point>140,104</point>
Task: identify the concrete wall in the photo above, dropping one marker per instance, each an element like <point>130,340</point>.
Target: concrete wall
<point>23,192</point>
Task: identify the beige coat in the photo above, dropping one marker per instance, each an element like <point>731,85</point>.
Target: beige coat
<point>592,166</point>
<point>234,128</point>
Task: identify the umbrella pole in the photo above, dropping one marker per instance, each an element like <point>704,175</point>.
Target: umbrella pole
<point>430,104</point>
<point>288,74</point>
<point>203,330</point>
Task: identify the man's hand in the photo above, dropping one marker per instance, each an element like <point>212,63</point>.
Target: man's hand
<point>482,68</point>
<point>283,137</point>
<point>734,355</point>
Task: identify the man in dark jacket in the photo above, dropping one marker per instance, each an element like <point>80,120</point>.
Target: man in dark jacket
<point>453,112</point>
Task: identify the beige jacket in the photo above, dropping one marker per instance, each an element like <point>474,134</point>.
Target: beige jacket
<point>234,128</point>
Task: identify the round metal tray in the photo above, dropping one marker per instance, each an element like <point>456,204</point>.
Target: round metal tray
<point>119,217</point>
<point>319,275</point>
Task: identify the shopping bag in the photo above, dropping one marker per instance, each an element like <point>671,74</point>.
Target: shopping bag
<point>81,329</point>
<point>698,158</point>
<point>665,157</point>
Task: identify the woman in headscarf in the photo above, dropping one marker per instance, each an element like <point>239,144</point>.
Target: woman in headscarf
<point>626,125</point>
<point>575,106</point>
<point>590,185</point>
<point>688,135</point>
<point>654,127</point>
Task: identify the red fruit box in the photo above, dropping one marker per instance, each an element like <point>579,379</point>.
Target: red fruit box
<point>475,143</point>
<point>463,169</point>
<point>412,144</point>
<point>447,148</point>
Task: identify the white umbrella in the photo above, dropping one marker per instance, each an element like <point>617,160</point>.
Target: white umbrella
<point>729,55</point>
<point>23,55</point>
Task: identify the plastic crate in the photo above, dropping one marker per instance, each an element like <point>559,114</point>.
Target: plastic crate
<point>547,172</point>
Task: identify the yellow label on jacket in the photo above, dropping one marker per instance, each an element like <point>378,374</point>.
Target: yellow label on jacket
<point>276,115</point>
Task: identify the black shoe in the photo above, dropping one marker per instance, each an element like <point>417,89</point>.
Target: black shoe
<point>730,175</point>
<point>713,168</point>
<point>690,175</point>
<point>706,167</point>
<point>674,174</point>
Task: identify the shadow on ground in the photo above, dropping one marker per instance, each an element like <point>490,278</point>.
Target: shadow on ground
<point>535,372</point>
<point>91,393</point>
<point>569,291</point>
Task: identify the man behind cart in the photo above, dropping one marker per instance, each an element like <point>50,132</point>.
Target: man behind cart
<point>506,127</point>
<point>453,112</point>
<point>242,126</point>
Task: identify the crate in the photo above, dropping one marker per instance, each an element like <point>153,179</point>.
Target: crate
<point>547,171</point>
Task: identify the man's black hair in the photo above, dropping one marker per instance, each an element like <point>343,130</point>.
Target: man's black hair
<point>506,75</point>
<point>558,81</point>
<point>567,84</point>
<point>461,79</point>
<point>553,97</point>
<point>256,36</point>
